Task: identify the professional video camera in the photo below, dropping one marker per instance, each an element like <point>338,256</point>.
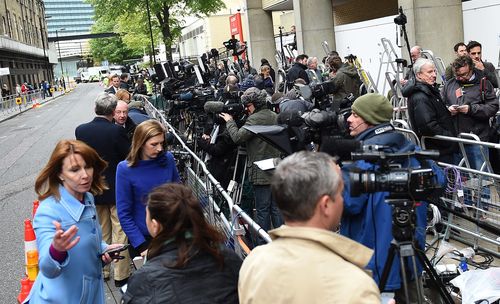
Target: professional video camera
<point>235,46</point>
<point>296,131</point>
<point>319,93</point>
<point>401,183</point>
<point>401,18</point>
<point>216,107</point>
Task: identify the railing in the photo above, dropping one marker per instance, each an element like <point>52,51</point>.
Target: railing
<point>474,193</point>
<point>17,103</point>
<point>236,224</point>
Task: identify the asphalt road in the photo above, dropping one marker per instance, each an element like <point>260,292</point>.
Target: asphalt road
<point>26,142</point>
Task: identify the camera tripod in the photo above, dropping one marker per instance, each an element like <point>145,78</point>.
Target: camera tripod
<point>403,244</point>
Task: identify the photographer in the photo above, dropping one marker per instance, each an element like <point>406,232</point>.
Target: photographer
<point>367,219</point>
<point>345,79</point>
<point>254,101</point>
<point>221,150</point>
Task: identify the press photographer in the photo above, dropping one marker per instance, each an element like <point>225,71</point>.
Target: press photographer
<point>368,218</point>
<point>254,101</point>
<point>216,142</point>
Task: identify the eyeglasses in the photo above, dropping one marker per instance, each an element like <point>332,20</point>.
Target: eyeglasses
<point>465,75</point>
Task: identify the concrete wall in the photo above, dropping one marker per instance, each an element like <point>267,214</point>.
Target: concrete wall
<point>260,33</point>
<point>434,25</point>
<point>314,24</point>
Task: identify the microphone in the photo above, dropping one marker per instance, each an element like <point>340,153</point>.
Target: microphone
<point>213,107</point>
<point>340,147</point>
<point>358,126</point>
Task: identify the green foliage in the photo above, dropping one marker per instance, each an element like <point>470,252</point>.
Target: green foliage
<point>166,17</point>
<point>113,49</point>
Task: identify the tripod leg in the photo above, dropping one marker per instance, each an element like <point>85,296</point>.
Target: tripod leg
<point>387,267</point>
<point>404,278</point>
<point>434,277</point>
<point>418,283</point>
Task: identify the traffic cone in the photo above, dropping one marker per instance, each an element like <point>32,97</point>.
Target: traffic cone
<point>29,241</point>
<point>32,265</point>
<point>25,289</point>
<point>36,203</point>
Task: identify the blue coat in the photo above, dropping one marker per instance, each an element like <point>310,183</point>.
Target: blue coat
<point>367,218</point>
<point>79,278</point>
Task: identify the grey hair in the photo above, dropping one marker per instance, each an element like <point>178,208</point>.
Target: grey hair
<point>310,60</point>
<point>303,170</point>
<point>105,104</point>
<point>419,64</point>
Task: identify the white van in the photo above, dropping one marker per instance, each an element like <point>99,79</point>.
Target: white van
<point>94,74</point>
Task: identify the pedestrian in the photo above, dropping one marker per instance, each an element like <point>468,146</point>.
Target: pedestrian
<point>147,166</point>
<point>69,241</point>
<point>186,252</point>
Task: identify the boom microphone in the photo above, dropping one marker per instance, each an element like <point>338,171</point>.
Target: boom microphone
<point>340,147</point>
<point>213,107</point>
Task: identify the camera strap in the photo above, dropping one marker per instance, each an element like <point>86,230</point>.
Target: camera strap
<point>482,88</point>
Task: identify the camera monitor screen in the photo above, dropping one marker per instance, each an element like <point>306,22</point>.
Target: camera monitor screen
<point>174,69</point>
<point>198,74</point>
<point>168,71</point>
<point>160,72</point>
<point>201,65</point>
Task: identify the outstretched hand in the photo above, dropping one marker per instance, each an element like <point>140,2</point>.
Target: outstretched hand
<point>64,240</point>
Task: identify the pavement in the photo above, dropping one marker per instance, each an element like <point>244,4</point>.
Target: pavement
<point>13,112</point>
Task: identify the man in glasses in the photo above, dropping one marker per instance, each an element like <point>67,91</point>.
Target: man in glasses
<point>472,102</point>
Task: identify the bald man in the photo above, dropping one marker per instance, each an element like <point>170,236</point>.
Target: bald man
<point>121,118</point>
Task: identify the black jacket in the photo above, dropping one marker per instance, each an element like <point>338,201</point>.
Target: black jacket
<point>200,281</point>
<point>298,70</point>
<point>429,115</point>
<point>223,156</point>
<point>481,109</point>
<point>111,143</point>
<point>130,126</point>
<point>111,90</point>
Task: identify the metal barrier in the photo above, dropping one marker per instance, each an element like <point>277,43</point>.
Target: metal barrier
<point>473,193</point>
<point>15,103</point>
<point>211,195</point>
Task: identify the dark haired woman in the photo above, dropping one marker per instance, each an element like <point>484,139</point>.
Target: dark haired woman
<point>186,259</point>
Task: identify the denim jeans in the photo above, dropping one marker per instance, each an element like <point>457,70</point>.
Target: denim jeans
<point>267,210</point>
<point>476,160</point>
<point>474,156</point>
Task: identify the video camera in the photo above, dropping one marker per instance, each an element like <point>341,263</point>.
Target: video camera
<point>318,92</point>
<point>401,18</point>
<point>296,131</point>
<point>401,183</point>
<point>234,46</point>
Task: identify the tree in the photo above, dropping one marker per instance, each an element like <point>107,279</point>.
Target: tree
<point>166,15</point>
<point>112,49</point>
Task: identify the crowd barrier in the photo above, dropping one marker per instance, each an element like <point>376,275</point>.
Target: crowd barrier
<point>18,103</point>
<point>474,193</point>
<point>236,224</point>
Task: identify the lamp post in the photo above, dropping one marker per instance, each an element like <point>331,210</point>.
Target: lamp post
<point>60,58</point>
